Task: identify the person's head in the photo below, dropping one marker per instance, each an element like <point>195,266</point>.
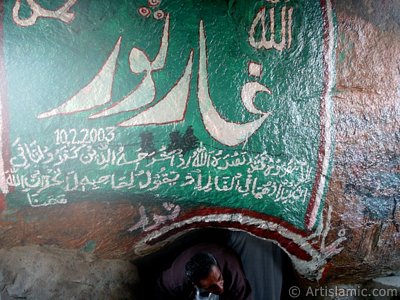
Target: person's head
<point>203,271</point>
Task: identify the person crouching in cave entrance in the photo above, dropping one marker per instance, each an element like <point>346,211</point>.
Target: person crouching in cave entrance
<point>204,271</point>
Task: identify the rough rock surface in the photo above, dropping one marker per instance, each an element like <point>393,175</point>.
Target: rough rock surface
<point>39,272</point>
<point>364,188</point>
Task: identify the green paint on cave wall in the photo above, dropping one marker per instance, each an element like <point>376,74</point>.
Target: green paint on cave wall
<point>197,102</point>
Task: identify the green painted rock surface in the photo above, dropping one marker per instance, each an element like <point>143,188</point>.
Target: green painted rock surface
<point>129,123</point>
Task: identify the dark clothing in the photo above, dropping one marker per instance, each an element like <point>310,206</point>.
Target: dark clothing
<point>262,263</point>
<point>174,285</point>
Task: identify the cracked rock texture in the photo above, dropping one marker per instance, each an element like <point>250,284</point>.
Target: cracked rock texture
<point>38,272</point>
<point>365,184</point>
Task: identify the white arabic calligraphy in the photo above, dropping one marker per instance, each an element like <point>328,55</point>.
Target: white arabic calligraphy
<point>271,43</point>
<point>158,219</point>
<point>37,170</point>
<point>227,133</point>
<point>63,14</point>
<point>172,107</point>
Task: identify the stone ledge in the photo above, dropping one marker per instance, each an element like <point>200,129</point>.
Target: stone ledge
<point>389,281</point>
<point>48,272</point>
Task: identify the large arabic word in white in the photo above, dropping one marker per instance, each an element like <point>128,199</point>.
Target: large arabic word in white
<point>158,219</point>
<point>228,133</point>
<point>271,43</point>
<point>171,108</point>
<point>62,14</point>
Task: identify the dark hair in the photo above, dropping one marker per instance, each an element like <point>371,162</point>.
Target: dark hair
<point>199,266</point>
